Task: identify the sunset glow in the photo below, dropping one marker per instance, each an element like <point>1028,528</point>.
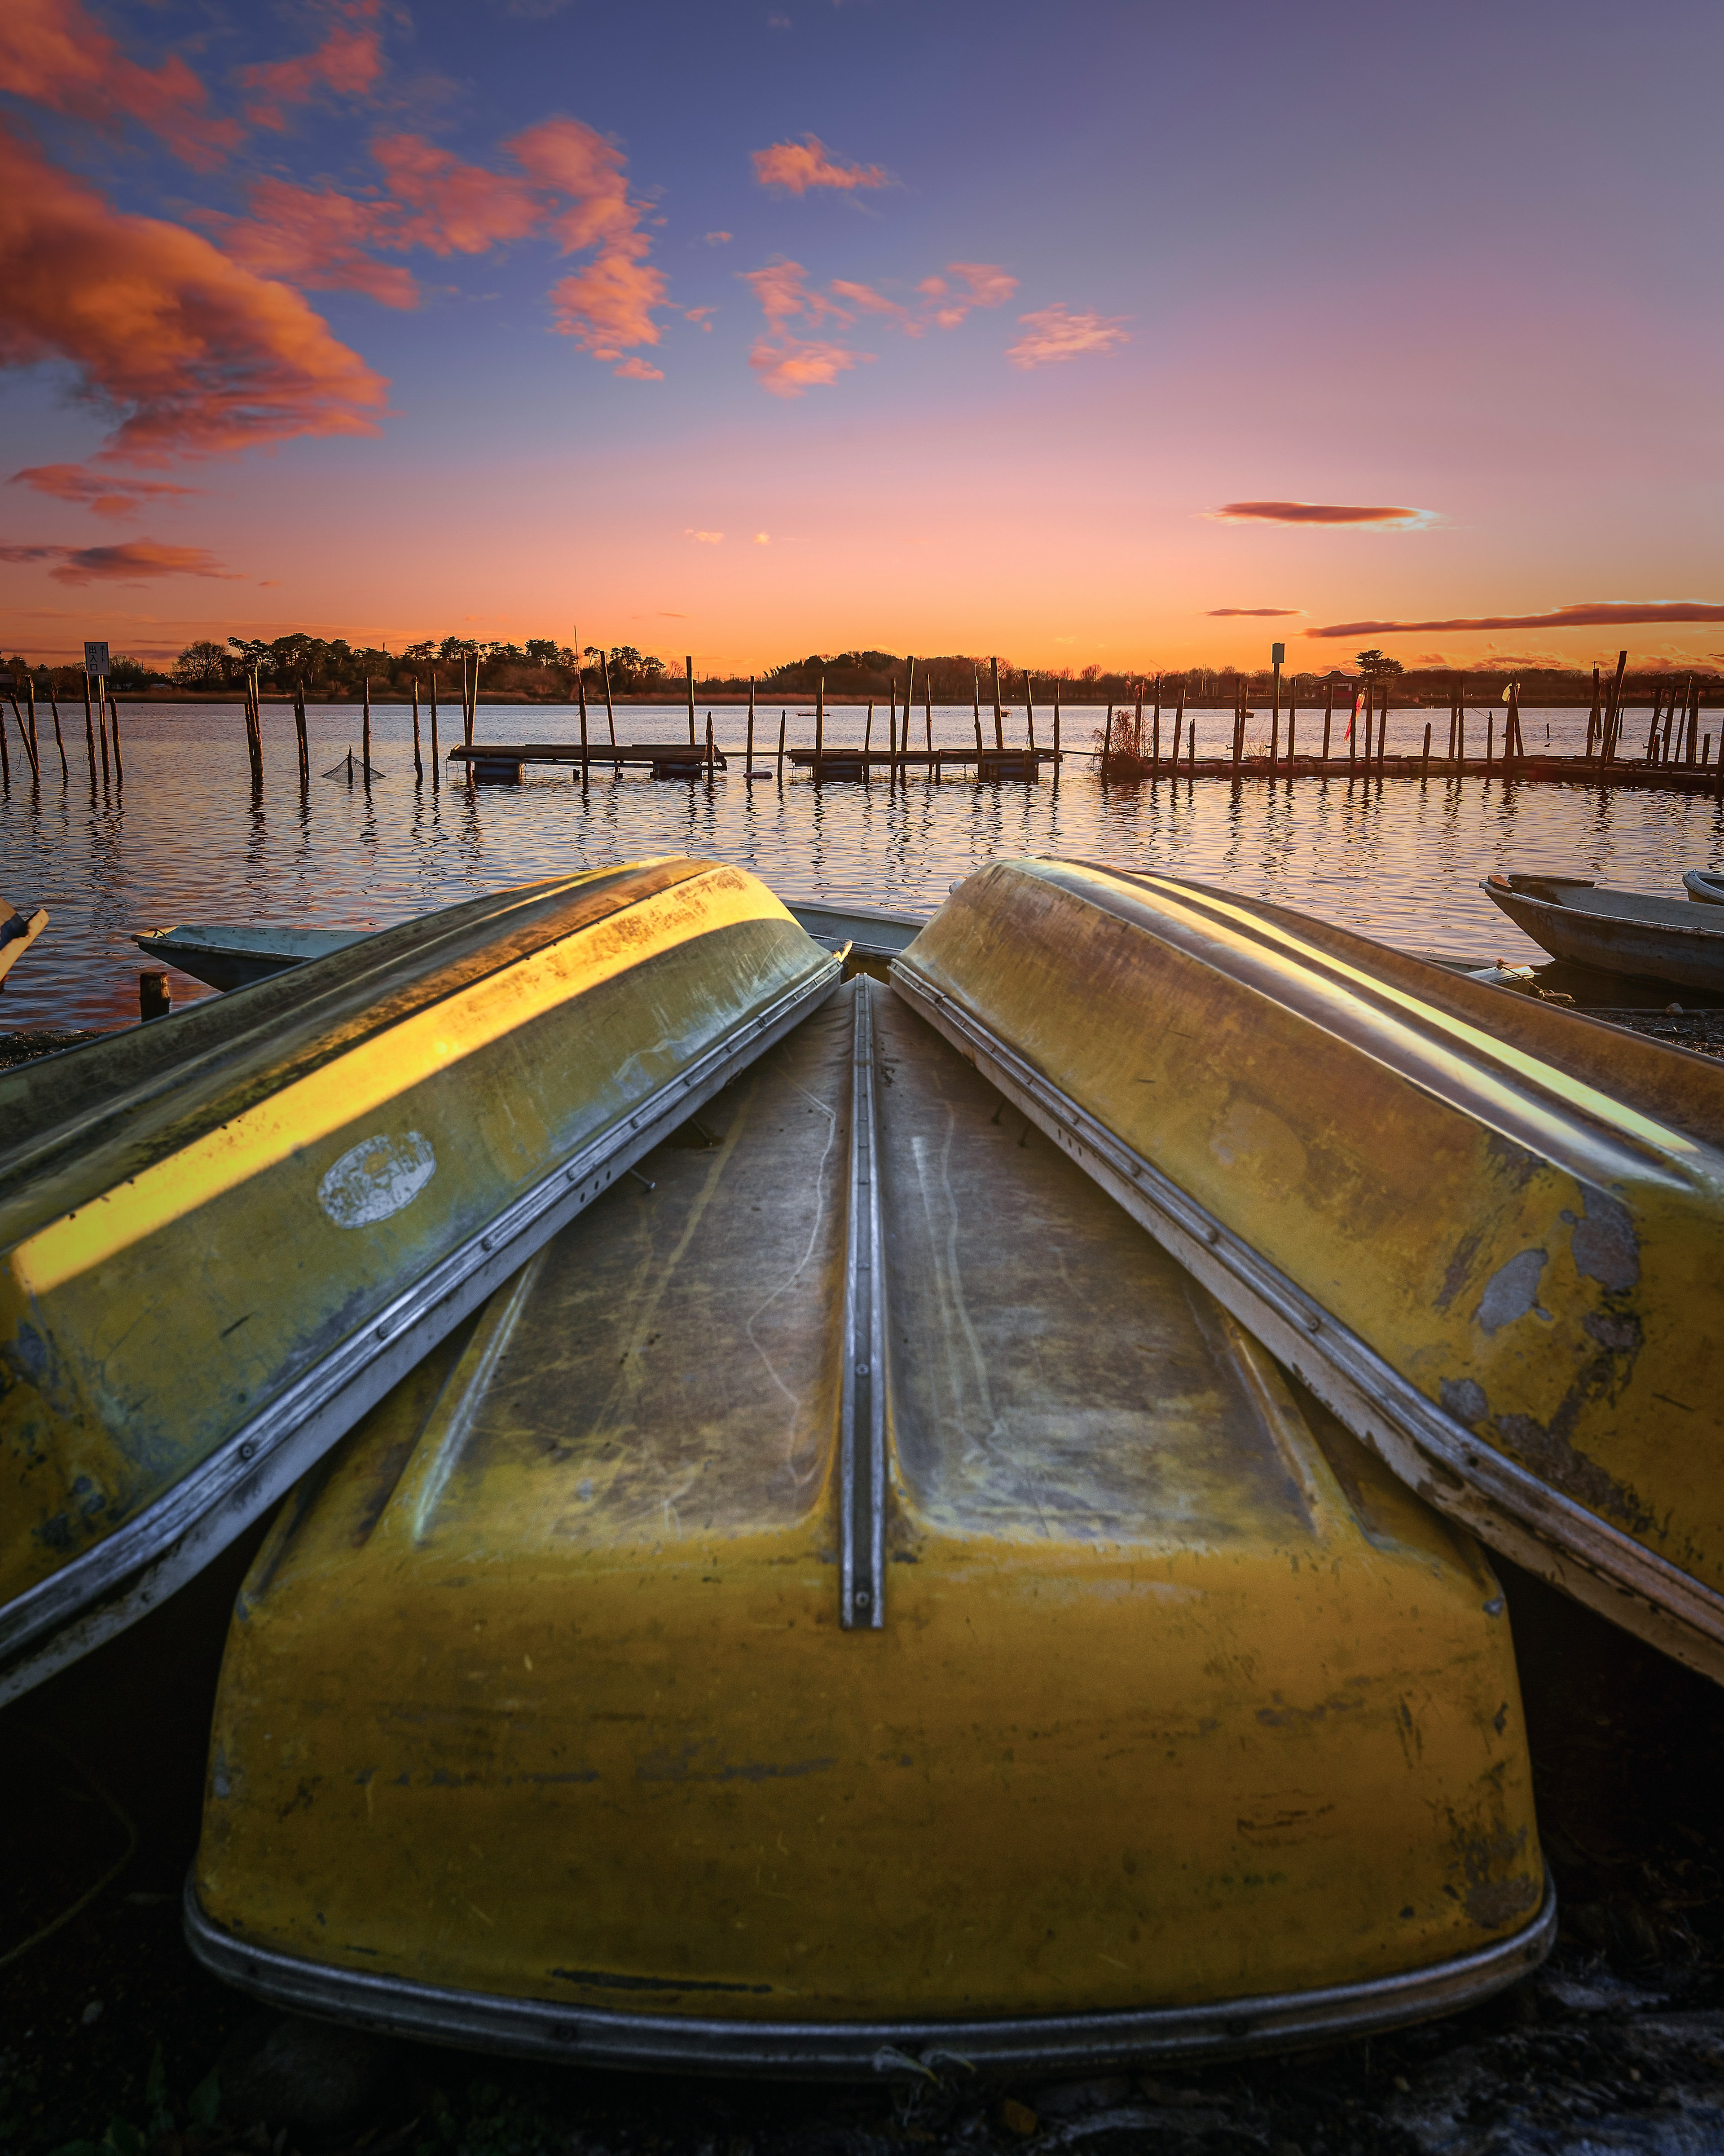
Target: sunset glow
<point>1104,334</point>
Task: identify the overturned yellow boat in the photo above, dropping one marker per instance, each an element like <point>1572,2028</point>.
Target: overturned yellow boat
<point>225,1236</point>
<point>1486,1231</point>
<point>852,1597</point>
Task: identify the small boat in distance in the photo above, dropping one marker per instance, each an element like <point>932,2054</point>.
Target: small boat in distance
<point>18,930</point>
<point>1705,885</point>
<point>1617,932</point>
<point>232,955</point>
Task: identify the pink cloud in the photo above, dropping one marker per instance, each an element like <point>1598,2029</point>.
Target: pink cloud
<point>800,166</point>
<point>1315,512</point>
<point>1267,613</point>
<point>870,302</point>
<point>53,52</point>
<point>461,208</point>
<point>320,240</point>
<point>638,370</point>
<point>1588,614</point>
<point>347,62</point>
<point>1056,333</point>
<point>782,290</point>
<point>990,286</point>
<point>130,563</point>
<point>196,353</point>
<point>97,491</point>
<point>789,366</point>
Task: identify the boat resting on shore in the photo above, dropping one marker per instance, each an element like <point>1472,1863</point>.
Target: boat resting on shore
<point>1617,932</point>
<point>1483,1230</point>
<point>232,955</point>
<point>1706,886</point>
<point>225,1235</point>
<point>852,1604</point>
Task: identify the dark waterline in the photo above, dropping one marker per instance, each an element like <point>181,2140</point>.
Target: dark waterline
<point>183,841</point>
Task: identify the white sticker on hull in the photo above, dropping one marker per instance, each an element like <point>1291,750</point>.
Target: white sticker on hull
<point>377,1177</point>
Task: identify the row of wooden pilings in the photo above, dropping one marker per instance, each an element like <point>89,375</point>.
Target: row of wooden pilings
<point>101,728</point>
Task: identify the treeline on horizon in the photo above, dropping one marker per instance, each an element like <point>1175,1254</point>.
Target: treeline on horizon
<point>543,670</point>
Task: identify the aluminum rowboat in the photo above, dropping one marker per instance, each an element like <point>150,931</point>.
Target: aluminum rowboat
<point>1620,931</point>
<point>232,955</point>
<point>1705,885</point>
<point>225,1235</point>
<point>857,1594</point>
<point>1484,1231</point>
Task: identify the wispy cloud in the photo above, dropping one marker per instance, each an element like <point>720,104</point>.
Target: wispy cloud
<point>788,364</point>
<point>704,538</point>
<point>797,166</point>
<point>53,52</point>
<point>1061,332</point>
<point>1267,613</point>
<point>100,492</point>
<point>196,353</point>
<point>320,239</point>
<point>348,62</point>
<point>1588,613</point>
<point>1315,512</point>
<point>131,563</point>
<point>638,369</point>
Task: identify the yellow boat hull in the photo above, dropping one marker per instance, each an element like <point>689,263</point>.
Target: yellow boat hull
<point>1484,1231</point>
<point>225,1236</point>
<point>859,1593</point>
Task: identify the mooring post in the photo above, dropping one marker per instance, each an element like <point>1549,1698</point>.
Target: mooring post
<point>1328,716</point>
<point>364,736</point>
<point>581,697</point>
<point>436,768</point>
<point>418,765</point>
<point>1106,744</point>
<point>1056,729</point>
<point>303,744</point>
<point>610,709</point>
<point>868,738</point>
<point>782,715</point>
<point>1426,760</point>
<point>114,723</point>
<point>928,724</point>
<point>748,772</point>
<point>688,669</point>
<point>977,708</point>
<point>710,760</point>
<point>88,731</point>
<point>820,721</point>
<point>999,722</point>
<point>54,706</point>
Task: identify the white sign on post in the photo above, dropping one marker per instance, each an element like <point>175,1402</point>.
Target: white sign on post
<point>95,658</point>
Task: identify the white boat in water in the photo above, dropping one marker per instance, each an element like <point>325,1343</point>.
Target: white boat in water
<point>1619,932</point>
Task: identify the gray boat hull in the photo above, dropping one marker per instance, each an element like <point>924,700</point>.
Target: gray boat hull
<point>1613,942</point>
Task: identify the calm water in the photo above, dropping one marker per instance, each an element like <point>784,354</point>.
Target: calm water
<point>1401,860</point>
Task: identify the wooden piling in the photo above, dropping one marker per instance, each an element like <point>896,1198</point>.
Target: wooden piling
<point>35,744</point>
<point>114,727</point>
<point>436,768</point>
<point>5,759</point>
<point>688,670</point>
<point>1029,710</point>
<point>867,737</point>
<point>1056,729</point>
<point>711,758</point>
<point>903,771</point>
<point>1275,720</point>
<point>610,709</point>
<point>1106,744</point>
<point>365,735</point>
<point>1425,761</point>
<point>1613,709</point>
<point>782,717</point>
<point>820,721</point>
<point>999,723</point>
<point>54,706</point>
<point>581,698</point>
<point>101,723</point>
<point>88,731</point>
<point>23,735</point>
<point>928,723</point>
<point>748,766</point>
<point>977,708</point>
<point>585,745</point>
<point>1292,722</point>
<point>1490,736</point>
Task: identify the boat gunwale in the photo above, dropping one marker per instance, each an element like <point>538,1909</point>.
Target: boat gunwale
<point>865,2050</point>
<point>1505,1504</point>
<point>1497,886</point>
<point>107,1588</point>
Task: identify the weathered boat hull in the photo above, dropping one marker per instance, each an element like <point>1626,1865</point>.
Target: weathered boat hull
<point>1647,946</point>
<point>1482,1231</point>
<point>1706,886</point>
<point>18,933</point>
<point>224,1235</point>
<point>858,1592</point>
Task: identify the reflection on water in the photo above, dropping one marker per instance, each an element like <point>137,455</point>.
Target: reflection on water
<point>185,842</point>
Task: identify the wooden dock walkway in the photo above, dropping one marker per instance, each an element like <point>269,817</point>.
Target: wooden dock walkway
<point>492,760</point>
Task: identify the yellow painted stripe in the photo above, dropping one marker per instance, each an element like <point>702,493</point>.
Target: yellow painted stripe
<point>377,1072</point>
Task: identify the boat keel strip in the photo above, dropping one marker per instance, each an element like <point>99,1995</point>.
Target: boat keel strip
<point>863,1460</point>
<point>140,1564</point>
<point>1501,1501</point>
<point>543,2028</point>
